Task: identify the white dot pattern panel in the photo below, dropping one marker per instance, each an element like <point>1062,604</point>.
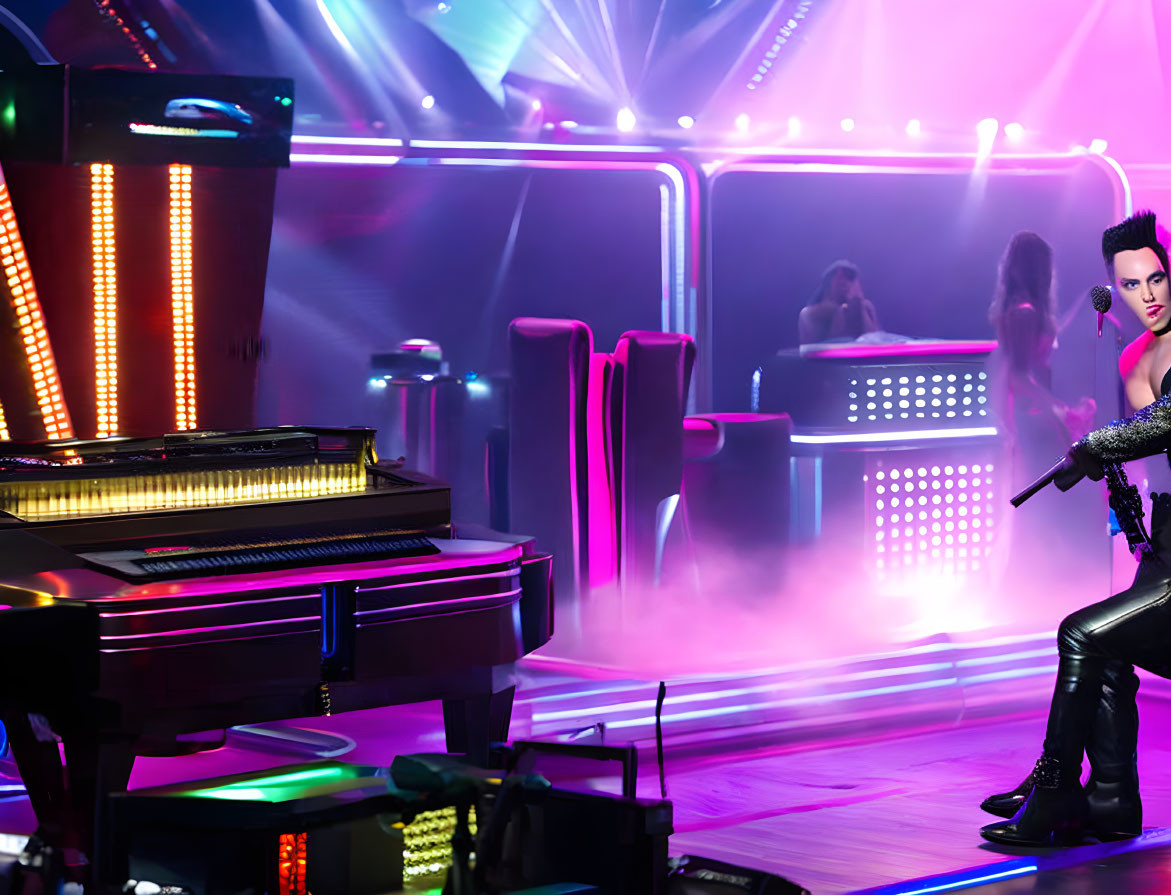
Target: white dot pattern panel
<point>938,396</point>
<point>931,511</point>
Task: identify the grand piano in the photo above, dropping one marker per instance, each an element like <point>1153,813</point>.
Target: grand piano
<point>158,587</point>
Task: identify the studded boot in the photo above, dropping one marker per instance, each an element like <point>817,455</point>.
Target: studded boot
<point>1055,813</point>
<point>1113,764</point>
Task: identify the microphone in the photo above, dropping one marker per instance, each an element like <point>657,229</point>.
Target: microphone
<point>1101,300</point>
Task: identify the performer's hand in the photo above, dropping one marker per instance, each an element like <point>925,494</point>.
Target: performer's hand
<point>1078,464</point>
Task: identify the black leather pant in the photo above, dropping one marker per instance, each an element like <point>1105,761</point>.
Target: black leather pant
<point>1099,646</point>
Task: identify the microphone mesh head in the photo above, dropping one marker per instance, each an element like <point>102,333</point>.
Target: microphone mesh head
<point>1100,296</point>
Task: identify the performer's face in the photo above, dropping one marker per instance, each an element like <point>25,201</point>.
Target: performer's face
<point>1142,283</point>
<point>845,285</point>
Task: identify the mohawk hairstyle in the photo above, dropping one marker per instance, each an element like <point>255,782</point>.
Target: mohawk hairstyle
<point>1136,232</point>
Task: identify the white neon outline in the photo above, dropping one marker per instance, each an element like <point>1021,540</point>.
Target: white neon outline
<point>906,435</point>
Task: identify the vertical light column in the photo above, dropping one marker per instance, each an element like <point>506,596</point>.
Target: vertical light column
<point>33,336</point>
<point>105,299</point>
<point>182,298</point>
<point>3,425</point>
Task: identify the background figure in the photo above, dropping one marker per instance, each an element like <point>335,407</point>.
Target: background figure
<point>1039,425</point>
<point>1036,425</point>
<point>838,310</point>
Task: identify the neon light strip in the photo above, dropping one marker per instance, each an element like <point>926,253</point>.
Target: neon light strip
<point>914,435</point>
<point>182,298</point>
<point>168,130</point>
<point>46,385</point>
<point>349,141</point>
<point>394,611</point>
<point>327,159</point>
<point>901,349</point>
<point>1127,198</point>
<point>316,595</point>
<point>105,299</point>
<point>966,881</point>
<point>240,626</point>
<point>532,147</point>
<point>711,695</point>
<point>317,575</point>
<point>791,153</point>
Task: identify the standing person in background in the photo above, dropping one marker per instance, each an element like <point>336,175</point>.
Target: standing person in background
<point>1038,425</point>
<point>838,310</point>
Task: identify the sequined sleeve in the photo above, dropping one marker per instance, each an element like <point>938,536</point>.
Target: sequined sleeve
<point>1145,433</point>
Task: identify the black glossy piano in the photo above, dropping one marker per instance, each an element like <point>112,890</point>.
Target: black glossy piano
<point>157,587</point>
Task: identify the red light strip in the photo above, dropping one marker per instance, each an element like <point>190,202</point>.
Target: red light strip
<point>292,863</point>
<point>105,7</point>
<point>34,337</point>
<point>105,299</point>
<point>182,298</point>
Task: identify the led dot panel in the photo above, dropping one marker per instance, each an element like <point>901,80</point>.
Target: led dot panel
<point>182,298</point>
<point>33,336</point>
<point>105,290</point>
<point>928,513</point>
<point>427,842</point>
<point>938,396</point>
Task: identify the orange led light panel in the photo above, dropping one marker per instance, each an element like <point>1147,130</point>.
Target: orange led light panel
<point>292,851</point>
<point>33,336</point>
<point>105,299</point>
<point>182,298</point>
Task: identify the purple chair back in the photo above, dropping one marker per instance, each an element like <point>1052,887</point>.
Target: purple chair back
<point>547,468</point>
<point>648,399</point>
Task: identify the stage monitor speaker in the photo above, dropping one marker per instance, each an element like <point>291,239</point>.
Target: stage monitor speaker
<point>691,875</point>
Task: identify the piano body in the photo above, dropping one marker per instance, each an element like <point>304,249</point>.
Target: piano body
<point>158,587</point>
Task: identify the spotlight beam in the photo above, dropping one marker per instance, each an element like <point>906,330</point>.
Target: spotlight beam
<point>506,255</point>
<point>567,33</point>
<point>652,40</point>
<point>612,40</point>
<point>550,55</point>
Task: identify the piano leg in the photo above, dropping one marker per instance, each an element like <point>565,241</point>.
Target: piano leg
<point>97,767</point>
<point>472,723</point>
<point>41,772</point>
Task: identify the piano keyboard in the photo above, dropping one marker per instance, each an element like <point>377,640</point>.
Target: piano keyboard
<point>190,562</point>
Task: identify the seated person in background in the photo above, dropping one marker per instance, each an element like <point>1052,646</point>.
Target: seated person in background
<point>838,310</point>
<point>1038,424</point>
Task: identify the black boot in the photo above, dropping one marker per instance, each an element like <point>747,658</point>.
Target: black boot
<point>1055,812</point>
<point>1115,809</point>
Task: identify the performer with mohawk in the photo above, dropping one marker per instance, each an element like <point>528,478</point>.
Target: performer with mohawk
<point>1093,708</point>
